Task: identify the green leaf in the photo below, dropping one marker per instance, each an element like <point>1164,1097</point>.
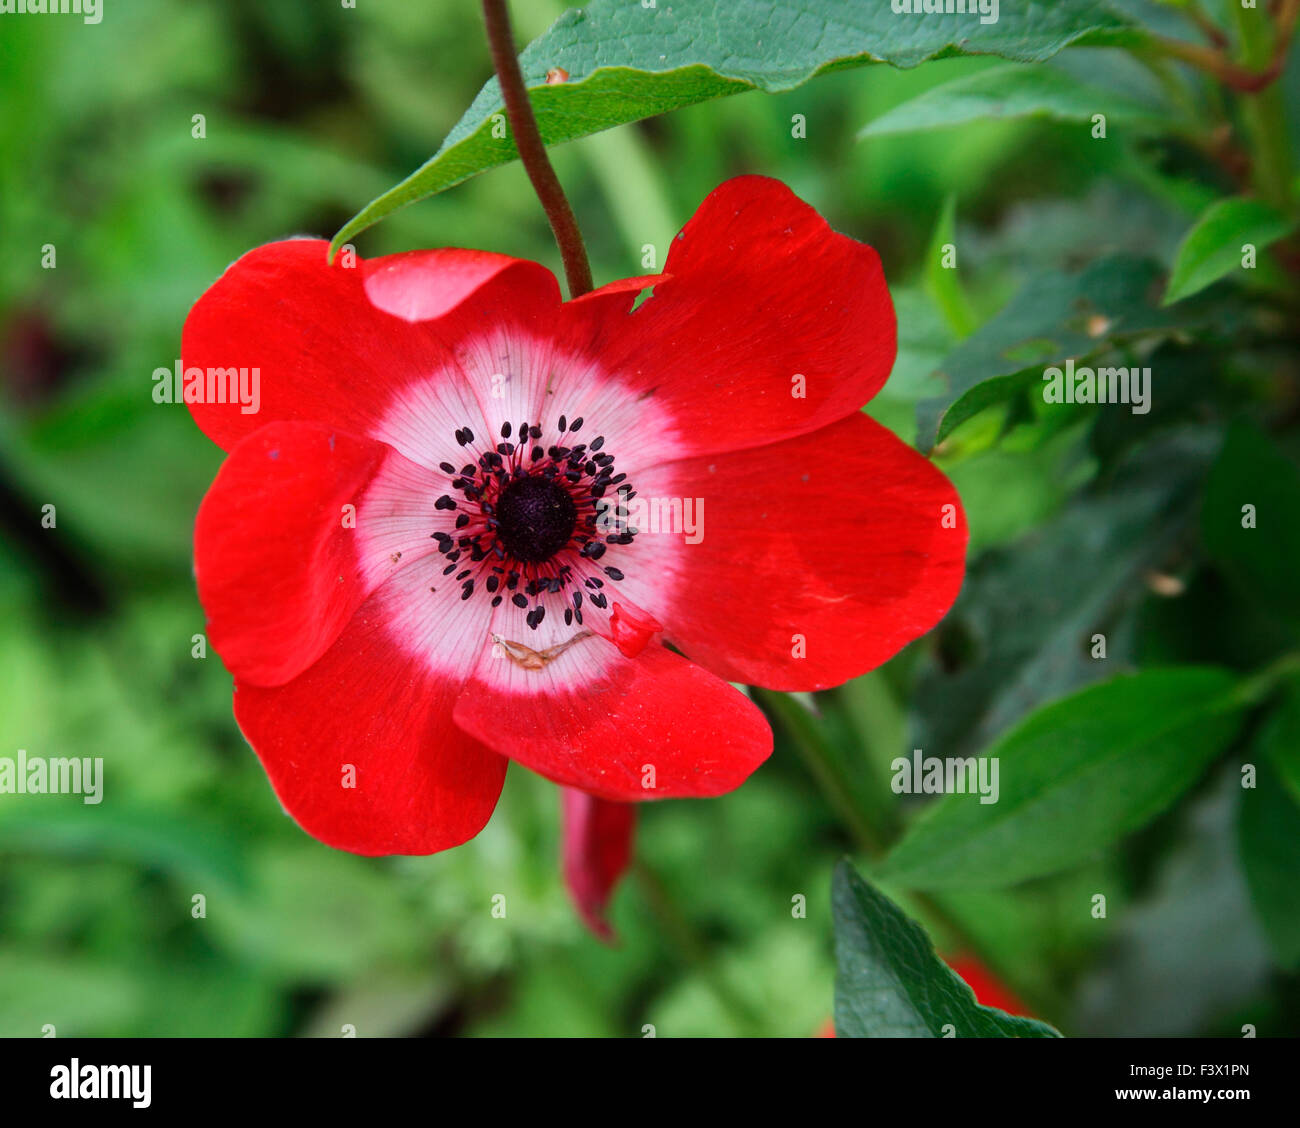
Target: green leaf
<point>943,283</point>
<point>890,983</point>
<point>1187,956</point>
<point>627,62</point>
<point>1269,834</point>
<point>1015,92</point>
<point>1073,778</point>
<point>1282,739</point>
<point>1021,633</point>
<point>1256,547</point>
<point>1213,247</point>
<point>1054,317</point>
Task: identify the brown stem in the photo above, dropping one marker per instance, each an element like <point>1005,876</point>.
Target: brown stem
<point>1215,34</point>
<point>1215,61</point>
<point>532,150</point>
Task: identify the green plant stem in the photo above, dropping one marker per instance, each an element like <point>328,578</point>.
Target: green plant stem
<point>816,754</point>
<point>1207,26</point>
<point>691,948</point>
<point>1261,684</point>
<point>1263,63</point>
<point>812,747</point>
<point>1264,111</point>
<point>532,150</point>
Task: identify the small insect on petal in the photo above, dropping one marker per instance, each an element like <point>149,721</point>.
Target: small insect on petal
<point>556,75</point>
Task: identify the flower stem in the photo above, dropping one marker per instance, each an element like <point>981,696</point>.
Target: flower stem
<point>1262,67</point>
<point>692,950</point>
<point>532,150</point>
<point>810,743</point>
<point>1260,685</point>
<point>1264,111</point>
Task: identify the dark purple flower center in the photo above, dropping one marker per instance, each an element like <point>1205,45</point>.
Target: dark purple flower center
<point>535,518</point>
<point>532,518</point>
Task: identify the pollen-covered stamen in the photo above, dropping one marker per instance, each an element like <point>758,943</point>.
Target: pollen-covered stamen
<point>533,518</point>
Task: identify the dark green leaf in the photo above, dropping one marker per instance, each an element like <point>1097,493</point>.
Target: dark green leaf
<point>1054,317</point>
<point>1269,833</point>
<point>1022,631</point>
<point>1191,388</point>
<point>890,983</point>
<point>627,62</point>
<point>1073,778</point>
<point>1283,738</point>
<point>1188,952</point>
<point>1251,521</point>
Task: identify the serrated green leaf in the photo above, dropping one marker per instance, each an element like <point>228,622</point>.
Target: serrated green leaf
<point>627,62</point>
<point>890,983</point>
<point>1016,92</point>
<point>1251,521</point>
<point>1073,778</point>
<point>1215,244</point>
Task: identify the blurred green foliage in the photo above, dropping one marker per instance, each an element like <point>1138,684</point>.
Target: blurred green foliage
<point>310,110</point>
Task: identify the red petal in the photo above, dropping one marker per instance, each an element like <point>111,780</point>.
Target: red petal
<point>323,349</point>
<point>421,285</point>
<point>281,562</point>
<point>421,784</point>
<point>759,290</point>
<point>631,628</point>
<point>597,849</point>
<point>831,546</point>
<point>651,727</point>
<point>626,290</point>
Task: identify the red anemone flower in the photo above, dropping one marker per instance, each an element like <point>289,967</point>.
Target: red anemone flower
<point>460,518</point>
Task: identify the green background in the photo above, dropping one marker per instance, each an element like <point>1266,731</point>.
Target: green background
<point>312,110</point>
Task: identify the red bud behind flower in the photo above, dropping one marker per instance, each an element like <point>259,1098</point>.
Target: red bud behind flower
<point>988,990</point>
<point>597,850</point>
